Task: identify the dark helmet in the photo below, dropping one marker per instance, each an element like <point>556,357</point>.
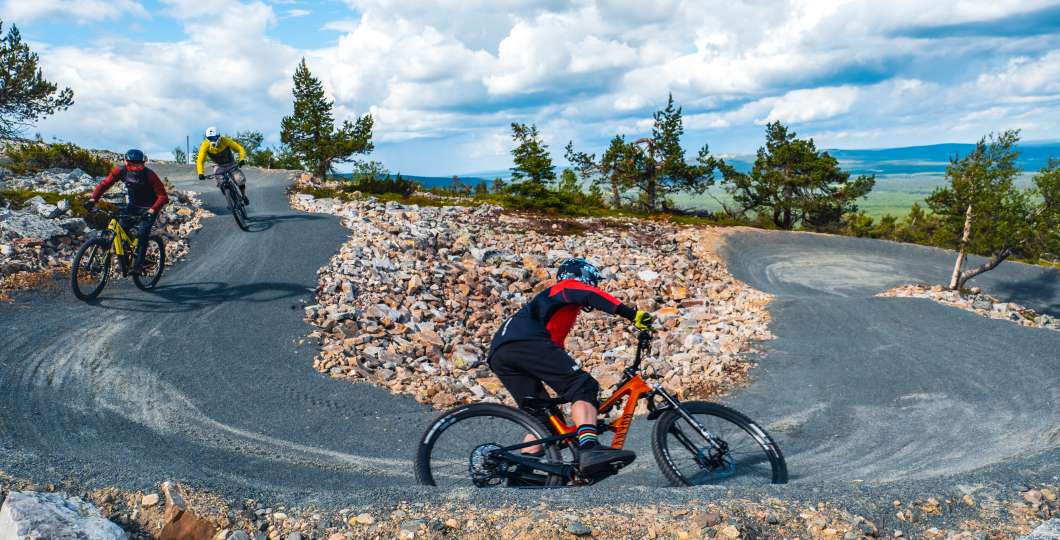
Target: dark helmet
<point>135,156</point>
<point>579,269</point>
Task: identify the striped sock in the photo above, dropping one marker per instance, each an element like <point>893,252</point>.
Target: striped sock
<point>587,436</point>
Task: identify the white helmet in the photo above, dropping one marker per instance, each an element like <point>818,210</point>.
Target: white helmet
<point>213,135</point>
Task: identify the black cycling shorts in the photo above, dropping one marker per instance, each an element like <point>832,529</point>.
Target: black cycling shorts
<point>523,365</point>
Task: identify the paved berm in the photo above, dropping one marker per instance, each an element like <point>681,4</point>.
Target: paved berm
<point>208,379</point>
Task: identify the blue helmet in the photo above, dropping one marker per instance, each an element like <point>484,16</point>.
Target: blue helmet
<point>135,156</point>
<point>579,269</point>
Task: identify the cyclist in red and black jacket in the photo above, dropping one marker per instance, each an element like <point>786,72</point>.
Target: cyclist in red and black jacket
<point>528,350</point>
<point>145,194</point>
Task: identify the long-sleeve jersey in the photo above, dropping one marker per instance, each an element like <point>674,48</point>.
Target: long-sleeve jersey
<point>551,314</point>
<point>220,154</point>
<point>143,187</point>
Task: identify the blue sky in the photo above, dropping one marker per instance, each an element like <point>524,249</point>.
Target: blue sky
<point>445,79</point>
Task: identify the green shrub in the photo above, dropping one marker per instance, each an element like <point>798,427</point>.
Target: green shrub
<point>33,158</point>
<point>536,197</point>
<point>379,186</point>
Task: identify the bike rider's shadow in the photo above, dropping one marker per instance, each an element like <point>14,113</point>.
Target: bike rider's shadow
<point>185,297</point>
<point>263,223</point>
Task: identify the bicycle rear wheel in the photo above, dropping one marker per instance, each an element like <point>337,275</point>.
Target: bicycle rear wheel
<point>453,452</point>
<point>742,452</point>
<point>90,269</point>
<point>153,264</point>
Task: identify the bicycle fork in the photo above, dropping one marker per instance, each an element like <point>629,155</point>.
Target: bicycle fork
<point>680,436</point>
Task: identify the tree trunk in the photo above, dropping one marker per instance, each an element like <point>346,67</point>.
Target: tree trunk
<point>997,259</point>
<point>616,199</point>
<point>955,278</point>
<point>651,192</point>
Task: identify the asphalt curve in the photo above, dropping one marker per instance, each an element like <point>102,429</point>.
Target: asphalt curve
<point>883,389</point>
<point>207,379</point>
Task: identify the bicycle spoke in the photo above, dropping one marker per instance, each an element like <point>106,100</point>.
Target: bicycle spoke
<point>698,461</point>
<point>451,456</point>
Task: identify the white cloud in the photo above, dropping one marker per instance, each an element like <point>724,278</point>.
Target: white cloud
<point>25,11</point>
<point>462,70</point>
<point>815,104</point>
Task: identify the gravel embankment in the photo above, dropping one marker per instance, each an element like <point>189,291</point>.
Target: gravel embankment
<point>412,299</point>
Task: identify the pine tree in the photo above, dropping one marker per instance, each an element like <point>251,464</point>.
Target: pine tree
<point>310,132</point>
<point>531,157</point>
<point>25,95</point>
<point>179,155</point>
<point>981,211</point>
<point>792,183</point>
<point>652,167</point>
<point>568,182</point>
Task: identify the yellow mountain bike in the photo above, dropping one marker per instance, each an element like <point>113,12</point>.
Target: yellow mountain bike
<point>91,268</point>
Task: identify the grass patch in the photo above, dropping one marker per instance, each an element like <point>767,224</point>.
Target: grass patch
<point>34,158</point>
<point>16,198</point>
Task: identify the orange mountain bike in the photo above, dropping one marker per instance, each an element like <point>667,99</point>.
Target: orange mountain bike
<point>694,442</point>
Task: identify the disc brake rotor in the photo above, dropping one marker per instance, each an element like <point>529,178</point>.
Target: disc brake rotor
<point>484,469</point>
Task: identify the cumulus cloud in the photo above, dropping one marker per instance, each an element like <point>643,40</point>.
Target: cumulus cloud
<point>459,71</point>
<point>25,11</point>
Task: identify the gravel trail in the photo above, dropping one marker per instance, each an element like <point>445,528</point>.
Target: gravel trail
<point>207,380</point>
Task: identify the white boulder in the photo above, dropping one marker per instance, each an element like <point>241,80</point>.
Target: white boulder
<point>29,514</point>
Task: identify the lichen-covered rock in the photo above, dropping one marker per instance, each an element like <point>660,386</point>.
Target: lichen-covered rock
<point>29,514</point>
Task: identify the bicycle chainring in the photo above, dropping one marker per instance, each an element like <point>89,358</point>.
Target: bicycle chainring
<point>485,470</point>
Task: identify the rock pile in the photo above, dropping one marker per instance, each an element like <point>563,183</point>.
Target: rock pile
<point>978,302</point>
<point>412,299</point>
<point>39,237</point>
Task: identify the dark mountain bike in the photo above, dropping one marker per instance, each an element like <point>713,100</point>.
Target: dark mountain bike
<point>91,267</point>
<point>233,196</point>
<point>694,442</point>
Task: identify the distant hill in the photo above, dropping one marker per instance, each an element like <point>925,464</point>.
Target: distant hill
<point>918,159</point>
<point>438,181</point>
<point>903,160</point>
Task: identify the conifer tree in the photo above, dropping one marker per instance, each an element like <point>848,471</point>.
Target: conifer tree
<point>25,95</point>
<point>532,159</point>
<point>310,133</point>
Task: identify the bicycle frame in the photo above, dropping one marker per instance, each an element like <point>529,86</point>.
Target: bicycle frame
<point>635,388</point>
<point>121,238</point>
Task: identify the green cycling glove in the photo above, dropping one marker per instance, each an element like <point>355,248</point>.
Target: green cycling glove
<point>643,320</point>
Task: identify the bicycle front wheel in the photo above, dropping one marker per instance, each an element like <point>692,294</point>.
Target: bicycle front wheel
<point>235,202</point>
<point>454,451</point>
<point>153,264</point>
<point>90,269</point>
<point>739,451</point>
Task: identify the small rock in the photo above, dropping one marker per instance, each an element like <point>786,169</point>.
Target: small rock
<point>648,275</point>
<point>151,499</point>
<point>294,536</point>
<point>239,535</point>
<point>1033,496</point>
<point>707,519</point>
<point>982,302</point>
<point>1050,530</point>
<point>364,519</point>
<point>578,528</point>
<point>729,531</point>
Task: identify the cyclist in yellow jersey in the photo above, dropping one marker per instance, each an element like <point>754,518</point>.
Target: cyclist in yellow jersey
<point>221,151</point>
